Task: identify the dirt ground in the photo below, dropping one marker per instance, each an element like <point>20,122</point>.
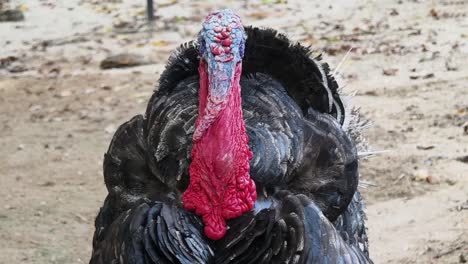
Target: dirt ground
<point>58,111</point>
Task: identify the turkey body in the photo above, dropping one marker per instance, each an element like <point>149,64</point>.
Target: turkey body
<point>305,167</point>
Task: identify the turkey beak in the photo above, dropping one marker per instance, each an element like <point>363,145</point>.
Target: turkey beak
<point>220,76</point>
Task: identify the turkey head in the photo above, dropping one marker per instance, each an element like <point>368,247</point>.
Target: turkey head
<point>220,185</point>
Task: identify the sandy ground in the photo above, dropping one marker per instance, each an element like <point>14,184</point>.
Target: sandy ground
<point>58,111</point>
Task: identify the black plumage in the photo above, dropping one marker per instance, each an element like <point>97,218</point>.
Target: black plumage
<point>305,166</point>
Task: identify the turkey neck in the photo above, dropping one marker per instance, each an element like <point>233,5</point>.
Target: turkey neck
<point>220,185</point>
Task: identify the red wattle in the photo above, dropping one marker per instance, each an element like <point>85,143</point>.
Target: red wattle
<point>220,185</point>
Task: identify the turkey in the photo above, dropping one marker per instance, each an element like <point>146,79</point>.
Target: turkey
<point>246,154</point>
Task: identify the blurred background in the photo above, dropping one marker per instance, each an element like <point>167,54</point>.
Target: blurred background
<point>72,71</point>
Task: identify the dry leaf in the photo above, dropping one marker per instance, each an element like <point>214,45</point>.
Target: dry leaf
<point>389,72</point>
<point>159,43</point>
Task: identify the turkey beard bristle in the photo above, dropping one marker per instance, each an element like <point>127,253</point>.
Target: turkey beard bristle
<point>220,185</point>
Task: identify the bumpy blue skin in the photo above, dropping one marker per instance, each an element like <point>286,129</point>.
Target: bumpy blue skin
<point>221,66</point>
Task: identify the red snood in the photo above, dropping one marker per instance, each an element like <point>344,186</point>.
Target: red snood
<point>220,184</point>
